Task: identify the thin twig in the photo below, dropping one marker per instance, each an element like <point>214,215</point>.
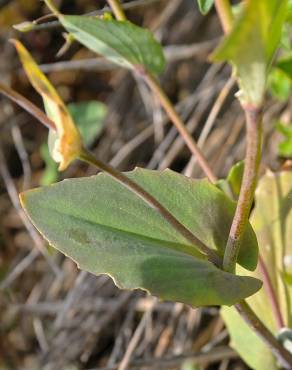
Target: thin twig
<point>210,122</point>
<point>19,268</point>
<point>201,358</point>
<point>173,53</point>
<point>13,194</point>
<point>191,125</point>
<point>23,156</point>
<point>184,107</point>
<point>217,106</point>
<point>200,98</point>
<point>134,340</point>
<point>167,105</point>
<point>35,26</point>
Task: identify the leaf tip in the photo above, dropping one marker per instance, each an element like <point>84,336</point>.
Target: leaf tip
<point>24,26</point>
<point>22,199</point>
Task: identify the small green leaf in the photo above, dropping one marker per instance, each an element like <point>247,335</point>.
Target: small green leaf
<point>205,5</point>
<point>285,147</point>
<point>279,84</point>
<point>251,45</point>
<point>89,118</point>
<point>105,228</point>
<point>285,65</point>
<point>289,12</point>
<point>50,174</point>
<point>232,184</point>
<point>287,278</point>
<point>286,130</point>
<point>121,42</point>
<point>234,178</point>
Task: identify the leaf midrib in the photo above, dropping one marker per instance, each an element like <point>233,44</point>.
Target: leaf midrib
<point>130,234</point>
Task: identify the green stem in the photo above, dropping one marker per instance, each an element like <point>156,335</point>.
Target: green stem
<point>283,356</point>
<point>174,117</point>
<point>224,11</point>
<point>153,203</point>
<point>251,165</point>
<point>117,9</point>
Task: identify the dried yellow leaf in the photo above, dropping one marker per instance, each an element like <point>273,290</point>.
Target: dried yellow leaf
<point>68,145</point>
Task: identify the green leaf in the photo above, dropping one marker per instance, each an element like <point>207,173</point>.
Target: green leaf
<point>272,220</point>
<point>89,118</point>
<point>234,178</point>
<point>286,130</point>
<point>121,42</point>
<point>285,147</point>
<point>279,84</point>
<point>285,65</point>
<point>289,12</point>
<point>286,44</point>
<point>287,278</point>
<point>50,174</point>
<point>105,228</point>
<point>205,5</point>
<point>251,45</point>
<point>232,184</point>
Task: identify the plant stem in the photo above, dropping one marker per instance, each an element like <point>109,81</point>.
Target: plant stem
<point>117,9</point>
<point>27,105</point>
<point>174,117</point>
<point>155,87</point>
<point>252,160</point>
<point>153,203</point>
<point>225,15</point>
<point>282,355</point>
<point>268,286</point>
<point>52,7</point>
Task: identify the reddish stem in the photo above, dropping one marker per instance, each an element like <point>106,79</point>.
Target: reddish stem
<point>28,106</point>
<point>268,286</point>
